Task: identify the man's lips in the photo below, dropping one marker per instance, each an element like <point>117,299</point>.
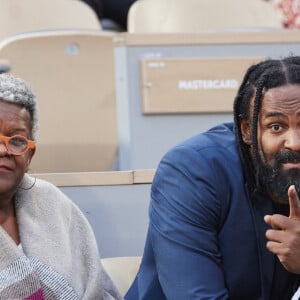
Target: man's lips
<point>291,165</point>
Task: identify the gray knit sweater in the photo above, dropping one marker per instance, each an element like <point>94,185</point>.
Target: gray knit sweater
<point>60,258</point>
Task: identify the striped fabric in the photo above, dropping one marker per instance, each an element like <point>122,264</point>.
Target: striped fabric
<point>28,278</point>
<point>18,280</point>
<point>36,296</point>
<point>53,283</point>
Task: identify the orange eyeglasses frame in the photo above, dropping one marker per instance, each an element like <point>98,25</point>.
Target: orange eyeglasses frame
<point>29,143</point>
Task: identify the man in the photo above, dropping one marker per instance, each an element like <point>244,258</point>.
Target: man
<point>224,211</point>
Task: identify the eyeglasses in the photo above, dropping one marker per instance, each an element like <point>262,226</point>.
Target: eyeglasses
<point>17,144</point>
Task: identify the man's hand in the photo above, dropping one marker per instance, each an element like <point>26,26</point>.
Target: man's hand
<point>284,237</point>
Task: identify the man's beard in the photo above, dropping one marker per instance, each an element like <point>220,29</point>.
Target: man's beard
<point>275,180</point>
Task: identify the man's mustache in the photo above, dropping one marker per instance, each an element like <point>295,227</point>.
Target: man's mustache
<point>287,157</point>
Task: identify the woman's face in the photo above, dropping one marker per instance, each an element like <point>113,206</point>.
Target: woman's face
<point>14,120</point>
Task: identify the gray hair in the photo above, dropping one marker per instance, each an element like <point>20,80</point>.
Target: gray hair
<point>16,90</point>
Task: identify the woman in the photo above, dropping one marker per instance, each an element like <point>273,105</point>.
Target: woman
<point>47,248</point>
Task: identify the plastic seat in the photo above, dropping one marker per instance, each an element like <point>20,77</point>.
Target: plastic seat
<point>30,15</point>
<point>72,74</point>
<point>122,270</point>
<point>154,16</point>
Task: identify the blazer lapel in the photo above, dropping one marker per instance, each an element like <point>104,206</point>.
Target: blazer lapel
<point>261,207</point>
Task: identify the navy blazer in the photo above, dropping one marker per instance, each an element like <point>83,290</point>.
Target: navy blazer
<point>206,237</point>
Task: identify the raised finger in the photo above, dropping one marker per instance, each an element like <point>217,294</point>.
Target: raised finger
<point>294,203</point>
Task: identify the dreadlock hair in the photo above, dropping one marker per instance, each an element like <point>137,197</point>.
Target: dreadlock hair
<point>258,79</point>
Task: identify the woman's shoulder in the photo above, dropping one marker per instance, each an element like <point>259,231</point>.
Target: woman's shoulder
<point>37,185</point>
<point>42,193</point>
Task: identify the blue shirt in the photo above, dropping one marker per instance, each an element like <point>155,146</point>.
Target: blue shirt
<point>206,237</point>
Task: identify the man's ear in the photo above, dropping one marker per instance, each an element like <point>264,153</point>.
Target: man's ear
<point>246,131</point>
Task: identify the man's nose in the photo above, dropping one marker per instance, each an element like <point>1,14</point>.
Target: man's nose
<point>292,141</point>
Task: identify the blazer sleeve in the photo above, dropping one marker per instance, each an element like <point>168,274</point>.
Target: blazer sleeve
<point>186,214</point>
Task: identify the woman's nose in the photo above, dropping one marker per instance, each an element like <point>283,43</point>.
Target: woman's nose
<point>3,150</point>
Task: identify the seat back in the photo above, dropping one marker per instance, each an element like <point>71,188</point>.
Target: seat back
<point>122,270</point>
<point>115,204</point>
<point>29,15</point>
<point>72,74</point>
<point>201,15</point>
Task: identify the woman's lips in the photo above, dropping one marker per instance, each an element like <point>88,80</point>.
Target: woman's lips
<point>5,168</point>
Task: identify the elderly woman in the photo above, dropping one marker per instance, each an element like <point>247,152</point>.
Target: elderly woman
<point>47,248</point>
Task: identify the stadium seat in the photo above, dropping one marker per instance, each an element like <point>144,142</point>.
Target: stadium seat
<point>72,74</point>
<point>122,270</point>
<point>30,15</point>
<point>155,16</point>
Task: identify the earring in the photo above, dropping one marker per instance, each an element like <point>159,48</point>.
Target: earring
<point>29,187</point>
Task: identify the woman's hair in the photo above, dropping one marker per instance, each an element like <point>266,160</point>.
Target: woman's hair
<point>258,79</point>
<point>16,90</point>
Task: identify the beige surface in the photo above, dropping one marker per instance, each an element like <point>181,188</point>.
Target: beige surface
<point>201,15</point>
<point>208,38</point>
<point>143,176</point>
<point>122,270</point>
<point>98,178</point>
<point>17,16</point>
<point>192,85</point>
<point>87,178</point>
<point>72,74</point>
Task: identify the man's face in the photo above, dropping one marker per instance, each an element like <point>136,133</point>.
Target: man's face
<point>279,140</point>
